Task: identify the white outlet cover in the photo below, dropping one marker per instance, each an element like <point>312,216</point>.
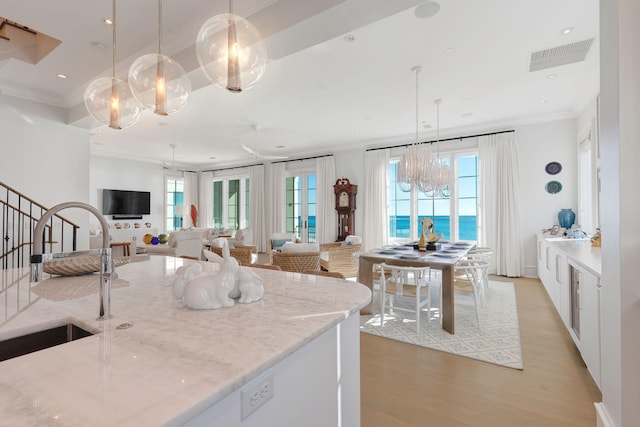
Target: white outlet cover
<point>256,394</point>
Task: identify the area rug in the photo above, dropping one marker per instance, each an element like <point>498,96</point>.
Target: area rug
<point>497,340</point>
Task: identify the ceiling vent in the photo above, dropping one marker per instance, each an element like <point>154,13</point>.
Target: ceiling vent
<point>24,43</point>
<point>561,55</point>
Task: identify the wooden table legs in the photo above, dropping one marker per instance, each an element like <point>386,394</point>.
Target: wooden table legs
<point>447,308</point>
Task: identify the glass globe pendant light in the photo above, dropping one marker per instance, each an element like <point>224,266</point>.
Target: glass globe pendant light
<point>158,82</point>
<point>109,99</point>
<point>231,51</point>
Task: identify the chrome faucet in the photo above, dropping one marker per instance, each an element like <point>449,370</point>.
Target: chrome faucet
<point>106,266</point>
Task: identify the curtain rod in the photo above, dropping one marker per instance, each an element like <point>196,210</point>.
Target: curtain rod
<point>441,140</point>
<point>233,167</point>
<point>304,158</point>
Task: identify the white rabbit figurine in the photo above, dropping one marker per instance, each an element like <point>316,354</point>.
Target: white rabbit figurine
<point>250,286</point>
<point>211,291</point>
<point>183,275</point>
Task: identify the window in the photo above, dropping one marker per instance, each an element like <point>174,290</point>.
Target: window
<point>301,206</point>
<point>174,200</point>
<point>231,203</point>
<point>454,216</point>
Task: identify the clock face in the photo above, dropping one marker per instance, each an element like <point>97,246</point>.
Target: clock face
<point>343,200</point>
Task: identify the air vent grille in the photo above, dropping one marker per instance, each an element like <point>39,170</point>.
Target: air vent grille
<point>561,55</point>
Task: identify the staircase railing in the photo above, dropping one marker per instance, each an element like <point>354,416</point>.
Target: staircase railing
<point>18,217</point>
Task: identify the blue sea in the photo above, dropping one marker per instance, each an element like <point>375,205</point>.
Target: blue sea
<point>399,227</point>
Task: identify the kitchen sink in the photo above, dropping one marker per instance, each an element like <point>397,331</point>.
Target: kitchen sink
<point>40,340</point>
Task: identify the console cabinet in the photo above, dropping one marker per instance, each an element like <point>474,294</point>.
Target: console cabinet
<point>569,271</point>
<point>130,234</point>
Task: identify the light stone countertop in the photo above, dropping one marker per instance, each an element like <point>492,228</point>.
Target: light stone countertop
<point>582,252</point>
<point>173,363</point>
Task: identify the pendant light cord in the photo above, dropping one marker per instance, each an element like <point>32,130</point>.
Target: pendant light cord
<point>159,27</point>
<point>230,7</point>
<point>113,28</point>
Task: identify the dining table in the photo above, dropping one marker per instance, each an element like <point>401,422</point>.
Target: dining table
<point>444,258</point>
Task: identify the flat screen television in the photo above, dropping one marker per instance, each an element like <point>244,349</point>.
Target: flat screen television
<point>126,203</point>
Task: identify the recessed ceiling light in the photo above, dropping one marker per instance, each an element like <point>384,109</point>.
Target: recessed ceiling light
<point>61,76</point>
<point>212,158</point>
<point>349,38</point>
<point>107,21</point>
<point>427,10</point>
<point>566,30</point>
<point>279,146</point>
<point>552,76</point>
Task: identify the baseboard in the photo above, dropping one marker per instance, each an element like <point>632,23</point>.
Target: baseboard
<point>531,271</point>
<point>602,416</point>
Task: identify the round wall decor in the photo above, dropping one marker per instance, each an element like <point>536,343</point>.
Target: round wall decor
<point>553,187</point>
<point>553,168</point>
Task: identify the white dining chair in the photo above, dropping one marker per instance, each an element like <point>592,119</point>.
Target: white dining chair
<point>471,270</point>
<point>403,281</point>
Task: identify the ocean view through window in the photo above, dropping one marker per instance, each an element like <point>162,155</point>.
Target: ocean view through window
<point>454,216</point>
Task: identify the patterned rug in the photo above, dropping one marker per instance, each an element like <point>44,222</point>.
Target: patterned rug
<point>497,341</point>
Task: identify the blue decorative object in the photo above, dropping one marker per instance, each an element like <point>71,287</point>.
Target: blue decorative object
<point>566,218</point>
<point>155,240</point>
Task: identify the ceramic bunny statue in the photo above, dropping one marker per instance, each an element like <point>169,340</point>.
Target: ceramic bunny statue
<point>211,291</point>
<point>183,275</point>
<point>249,285</point>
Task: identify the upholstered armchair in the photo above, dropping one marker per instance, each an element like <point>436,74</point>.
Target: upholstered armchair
<point>244,255</point>
<point>297,257</point>
<point>243,239</point>
<point>279,239</point>
<point>339,256</point>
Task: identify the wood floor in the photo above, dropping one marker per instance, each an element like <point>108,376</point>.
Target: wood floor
<point>407,385</point>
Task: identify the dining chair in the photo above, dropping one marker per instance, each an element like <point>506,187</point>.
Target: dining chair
<point>470,273</point>
<point>404,281</point>
<point>482,254</point>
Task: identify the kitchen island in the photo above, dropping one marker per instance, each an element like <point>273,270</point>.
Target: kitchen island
<point>156,362</point>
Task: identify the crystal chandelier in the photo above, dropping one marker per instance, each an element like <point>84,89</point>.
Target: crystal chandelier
<point>436,183</point>
<point>419,168</point>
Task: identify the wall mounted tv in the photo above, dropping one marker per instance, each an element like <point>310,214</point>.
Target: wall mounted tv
<point>124,204</point>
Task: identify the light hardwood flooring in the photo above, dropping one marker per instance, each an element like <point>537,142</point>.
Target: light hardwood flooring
<point>408,385</point>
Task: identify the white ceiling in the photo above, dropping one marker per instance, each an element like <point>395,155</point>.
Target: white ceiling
<point>320,93</point>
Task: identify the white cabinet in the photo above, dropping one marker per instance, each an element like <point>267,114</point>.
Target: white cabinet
<point>589,319</point>
<point>128,234</point>
<point>574,290</point>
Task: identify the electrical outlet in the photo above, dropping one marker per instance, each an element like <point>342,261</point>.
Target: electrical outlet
<point>256,394</point>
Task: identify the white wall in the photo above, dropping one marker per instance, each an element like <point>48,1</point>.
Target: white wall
<point>120,174</point>
<point>45,159</point>
<point>538,145</point>
<point>620,222</point>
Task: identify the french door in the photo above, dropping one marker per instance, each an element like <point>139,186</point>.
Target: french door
<point>301,206</point>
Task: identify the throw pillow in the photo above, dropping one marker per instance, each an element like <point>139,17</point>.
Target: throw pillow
<point>345,243</point>
<point>277,244</point>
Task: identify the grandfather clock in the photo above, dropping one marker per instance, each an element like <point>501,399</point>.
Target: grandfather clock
<point>345,205</point>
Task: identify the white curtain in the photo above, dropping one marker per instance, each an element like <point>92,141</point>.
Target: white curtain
<point>257,222</point>
<point>278,197</point>
<point>205,200</point>
<point>498,210</point>
<point>326,217</point>
<point>376,222</point>
<point>190,195</point>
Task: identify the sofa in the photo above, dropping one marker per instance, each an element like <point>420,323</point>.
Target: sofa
<point>186,244</point>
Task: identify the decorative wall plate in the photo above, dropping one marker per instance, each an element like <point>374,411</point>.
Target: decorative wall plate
<point>553,168</point>
<point>553,187</point>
